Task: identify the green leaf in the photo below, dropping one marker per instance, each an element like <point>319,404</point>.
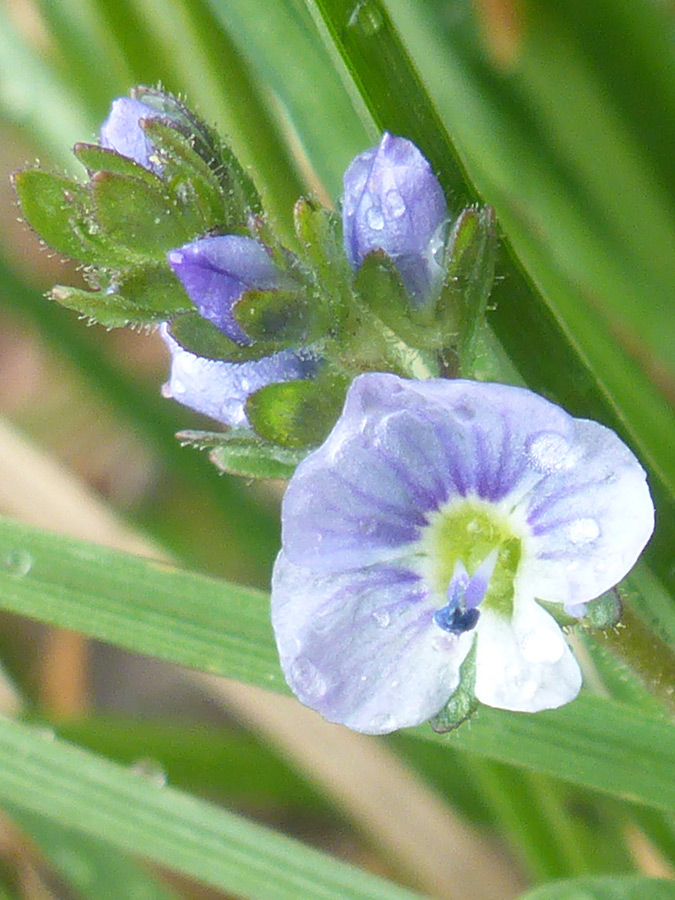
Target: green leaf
<point>621,887</point>
<point>94,868</point>
<point>146,221</point>
<point>112,804</point>
<point>204,623</point>
<point>203,338</point>
<point>319,230</point>
<point>60,211</point>
<point>296,413</point>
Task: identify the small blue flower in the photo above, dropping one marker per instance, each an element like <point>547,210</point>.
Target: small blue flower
<point>216,271</point>
<point>393,202</point>
<point>123,133</point>
<point>436,514</point>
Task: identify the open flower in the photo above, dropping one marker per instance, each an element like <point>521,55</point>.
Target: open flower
<point>434,516</point>
<point>393,202</point>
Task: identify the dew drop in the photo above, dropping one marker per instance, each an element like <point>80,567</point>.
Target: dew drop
<point>150,770</point>
<point>381,618</point>
<point>394,204</point>
<point>374,218</point>
<point>583,531</point>
<point>547,451</point>
<point>307,680</point>
<point>177,387</point>
<point>18,562</point>
<point>382,723</point>
<point>165,390</point>
<point>366,17</point>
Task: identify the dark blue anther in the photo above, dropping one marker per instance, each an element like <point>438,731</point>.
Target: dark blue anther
<point>456,620</point>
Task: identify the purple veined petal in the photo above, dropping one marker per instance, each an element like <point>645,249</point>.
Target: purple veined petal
<point>215,272</point>
<point>220,389</point>
<point>361,647</point>
<point>524,663</point>
<point>590,518</point>
<point>394,202</point>
<point>402,449</point>
<point>122,131</point>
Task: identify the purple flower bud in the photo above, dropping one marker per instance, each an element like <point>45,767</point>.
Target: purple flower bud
<point>220,389</point>
<point>394,202</point>
<point>123,133</point>
<point>216,271</point>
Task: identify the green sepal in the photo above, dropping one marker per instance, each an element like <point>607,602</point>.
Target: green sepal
<point>380,287</point>
<point>101,159</point>
<point>463,704</point>
<point>98,306</point>
<point>241,195</point>
<point>297,414</point>
<point>146,221</point>
<point>287,317</point>
<point>132,297</point>
<point>557,612</point>
<point>319,231</point>
<point>241,452</point>
<point>189,177</point>
<point>460,309</point>
<point>60,211</point>
<point>203,338</point>
<point>604,612</point>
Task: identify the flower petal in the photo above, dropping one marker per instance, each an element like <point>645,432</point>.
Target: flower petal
<point>220,389</point>
<point>215,272</point>
<point>524,663</point>
<point>361,647</point>
<point>394,202</point>
<point>400,450</point>
<point>590,518</point>
<point>122,131</point>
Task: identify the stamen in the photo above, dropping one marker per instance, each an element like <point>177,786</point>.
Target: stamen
<point>465,594</point>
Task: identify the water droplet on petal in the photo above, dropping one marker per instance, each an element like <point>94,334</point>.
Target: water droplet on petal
<point>177,388</point>
<point>382,722</point>
<point>583,531</point>
<point>547,451</point>
<point>382,618</point>
<point>394,204</point>
<point>464,411</point>
<point>374,218</point>
<point>18,562</point>
<point>150,770</point>
<point>308,682</point>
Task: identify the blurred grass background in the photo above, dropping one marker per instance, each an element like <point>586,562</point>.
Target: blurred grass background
<point>562,118</point>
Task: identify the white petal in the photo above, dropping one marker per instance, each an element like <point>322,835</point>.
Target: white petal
<point>523,663</point>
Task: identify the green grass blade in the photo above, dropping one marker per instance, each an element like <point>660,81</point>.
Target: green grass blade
<point>93,868</point>
<point>217,627</point>
<point>110,803</point>
<point>624,887</point>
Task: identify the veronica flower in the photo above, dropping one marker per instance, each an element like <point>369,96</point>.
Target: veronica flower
<point>436,514</point>
<point>394,202</point>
